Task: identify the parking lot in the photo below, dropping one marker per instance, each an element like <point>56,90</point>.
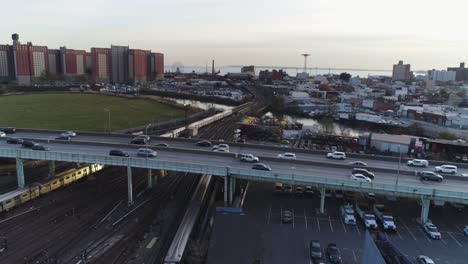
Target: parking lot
<point>288,243</point>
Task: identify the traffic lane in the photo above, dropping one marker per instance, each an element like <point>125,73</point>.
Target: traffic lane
<point>288,168</point>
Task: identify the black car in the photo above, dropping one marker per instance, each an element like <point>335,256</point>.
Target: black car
<point>40,147</point>
<point>28,144</point>
<point>204,143</point>
<point>8,130</point>
<point>261,166</point>
<point>120,153</point>
<point>162,145</point>
<point>63,137</point>
<point>333,254</point>
<point>139,141</point>
<point>145,137</point>
<point>315,249</point>
<point>14,141</point>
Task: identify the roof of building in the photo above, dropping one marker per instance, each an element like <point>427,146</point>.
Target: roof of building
<point>395,139</point>
<point>235,238</point>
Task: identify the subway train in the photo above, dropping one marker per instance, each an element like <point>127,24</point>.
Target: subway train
<point>15,198</point>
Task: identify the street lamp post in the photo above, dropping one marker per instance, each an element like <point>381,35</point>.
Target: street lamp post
<point>146,128</point>
<point>109,118</point>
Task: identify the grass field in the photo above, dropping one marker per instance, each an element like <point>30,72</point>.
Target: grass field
<point>81,111</point>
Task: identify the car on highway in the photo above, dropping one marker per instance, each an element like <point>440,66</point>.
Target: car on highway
<point>139,141</point>
<point>28,144</point>
<point>162,145</point>
<point>358,163</point>
<point>146,137</point>
<point>446,169</point>
<point>240,140</point>
<point>221,146</point>
<point>40,147</point>
<point>424,260</point>
<point>261,166</point>
<point>220,150</point>
<point>431,230</point>
<point>360,177</point>
<point>14,141</point>
<point>465,231</point>
<point>117,152</point>
<point>204,143</point>
<point>315,250</point>
<point>146,152</point>
<point>68,134</point>
<point>249,158</point>
<point>8,130</point>
<point>286,218</point>
<point>333,254</point>
<point>430,176</point>
<point>61,137</point>
<point>287,155</point>
<point>2,134</point>
<point>364,172</point>
<point>417,163</point>
<point>336,155</point>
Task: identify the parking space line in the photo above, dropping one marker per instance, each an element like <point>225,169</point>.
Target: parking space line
<point>455,239</point>
<point>409,231</point>
<point>354,256</point>
<point>425,235</point>
<point>441,239</point>
<point>269,215</point>
<point>344,227</point>
<point>398,233</point>
<point>305,218</point>
<point>293,217</point>
<point>357,228</point>
<point>318,224</point>
<point>329,220</point>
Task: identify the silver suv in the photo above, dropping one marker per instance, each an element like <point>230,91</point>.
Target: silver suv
<point>430,175</point>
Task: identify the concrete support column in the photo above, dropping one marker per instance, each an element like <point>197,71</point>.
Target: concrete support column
<point>129,184</point>
<point>232,185</point>
<point>150,179</point>
<point>20,173</point>
<point>425,203</point>
<point>51,168</point>
<point>322,200</point>
<point>226,180</point>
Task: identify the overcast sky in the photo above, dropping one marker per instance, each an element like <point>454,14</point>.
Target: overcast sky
<point>364,34</point>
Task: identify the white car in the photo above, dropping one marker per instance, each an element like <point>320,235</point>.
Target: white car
<point>417,163</point>
<point>360,177</point>
<point>446,169</point>
<point>347,213</point>
<point>336,155</point>
<point>432,231</point>
<point>2,134</point>
<point>68,134</point>
<point>424,260</point>
<point>287,155</point>
<point>249,158</point>
<point>220,150</point>
<point>221,146</point>
<point>465,231</point>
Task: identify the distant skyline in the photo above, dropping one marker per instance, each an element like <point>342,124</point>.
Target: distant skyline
<point>359,34</point>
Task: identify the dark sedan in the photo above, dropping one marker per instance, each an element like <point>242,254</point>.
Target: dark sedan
<point>8,130</point>
<point>333,254</point>
<point>139,141</point>
<point>14,141</point>
<point>204,143</point>
<point>261,166</point>
<point>120,153</point>
<point>40,147</point>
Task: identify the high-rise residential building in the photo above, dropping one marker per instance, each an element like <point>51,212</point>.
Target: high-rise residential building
<point>441,76</point>
<point>89,63</point>
<point>137,61</point>
<point>461,72</point>
<point>151,66</point>
<point>73,62</point>
<point>159,68</point>
<point>7,71</point>
<point>119,64</point>
<point>55,62</point>
<point>101,64</point>
<point>402,72</point>
<point>30,62</point>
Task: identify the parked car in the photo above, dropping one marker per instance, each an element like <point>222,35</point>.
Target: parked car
<point>14,141</point>
<point>465,230</point>
<point>417,163</point>
<point>117,152</point>
<point>40,147</point>
<point>146,152</point>
<point>333,254</point>
<point>261,166</point>
<point>309,190</point>
<point>299,190</point>
<point>204,143</point>
<point>360,177</point>
<point>28,144</point>
<point>162,145</point>
<point>249,158</point>
<point>424,260</point>
<point>315,249</point>
<point>8,130</point>
<point>2,134</point>
<point>446,169</point>
<point>287,188</point>
<point>336,155</point>
<point>68,134</point>
<point>139,141</point>
<point>431,230</point>
<point>358,163</point>
<point>287,155</point>
<point>286,217</point>
<point>430,175</point>
<point>364,172</point>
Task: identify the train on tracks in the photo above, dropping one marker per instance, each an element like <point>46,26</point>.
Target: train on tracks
<point>17,197</point>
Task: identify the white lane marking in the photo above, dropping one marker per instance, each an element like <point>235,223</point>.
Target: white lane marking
<point>409,231</point>
<point>329,220</point>
<point>344,227</point>
<point>305,218</point>
<point>269,215</point>
<point>455,239</point>
<point>357,228</point>
<point>425,235</point>
<point>354,256</point>
<point>152,242</point>
<point>398,233</point>
<point>318,224</point>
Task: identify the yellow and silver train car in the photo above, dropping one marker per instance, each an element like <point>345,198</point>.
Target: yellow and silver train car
<point>14,198</point>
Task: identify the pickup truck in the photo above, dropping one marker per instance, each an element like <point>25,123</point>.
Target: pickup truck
<point>385,218</point>
<point>347,213</point>
<point>366,215</point>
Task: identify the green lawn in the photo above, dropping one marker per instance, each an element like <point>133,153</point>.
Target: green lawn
<point>81,111</point>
